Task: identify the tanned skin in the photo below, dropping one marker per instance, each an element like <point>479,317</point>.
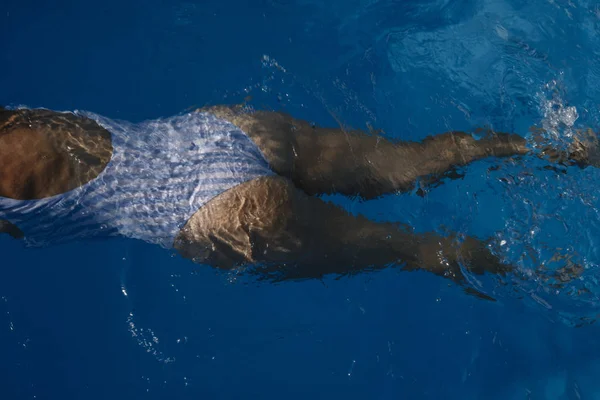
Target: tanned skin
<point>277,223</point>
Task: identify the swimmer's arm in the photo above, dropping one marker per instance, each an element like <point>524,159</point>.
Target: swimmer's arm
<point>334,160</point>
<point>10,229</point>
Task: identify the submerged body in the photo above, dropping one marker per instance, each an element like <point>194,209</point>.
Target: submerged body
<point>228,186</point>
<point>159,174</point>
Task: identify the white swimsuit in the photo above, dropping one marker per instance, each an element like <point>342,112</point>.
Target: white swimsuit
<point>161,173</point>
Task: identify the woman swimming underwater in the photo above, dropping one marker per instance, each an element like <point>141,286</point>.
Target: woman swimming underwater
<point>229,186</point>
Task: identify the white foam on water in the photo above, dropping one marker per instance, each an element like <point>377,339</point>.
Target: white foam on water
<point>558,117</point>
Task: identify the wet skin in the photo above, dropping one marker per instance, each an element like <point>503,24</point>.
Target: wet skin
<point>278,223</point>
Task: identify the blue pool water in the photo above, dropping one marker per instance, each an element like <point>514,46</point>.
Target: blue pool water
<point>124,319</point>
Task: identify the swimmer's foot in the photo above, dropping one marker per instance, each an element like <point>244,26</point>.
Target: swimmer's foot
<point>583,151</point>
<point>450,259</point>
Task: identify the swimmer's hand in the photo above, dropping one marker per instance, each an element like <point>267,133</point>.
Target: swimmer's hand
<point>11,229</point>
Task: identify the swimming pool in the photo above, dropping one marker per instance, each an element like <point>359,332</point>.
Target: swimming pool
<point>124,319</point>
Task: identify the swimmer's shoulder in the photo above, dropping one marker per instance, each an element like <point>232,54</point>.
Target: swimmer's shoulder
<point>45,153</point>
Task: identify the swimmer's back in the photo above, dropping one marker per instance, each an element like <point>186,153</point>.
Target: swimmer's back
<point>141,180</point>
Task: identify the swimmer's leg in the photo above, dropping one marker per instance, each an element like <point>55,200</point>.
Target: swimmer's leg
<point>323,160</point>
<point>269,222</point>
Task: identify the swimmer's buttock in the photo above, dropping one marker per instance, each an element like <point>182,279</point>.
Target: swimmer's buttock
<point>161,173</point>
